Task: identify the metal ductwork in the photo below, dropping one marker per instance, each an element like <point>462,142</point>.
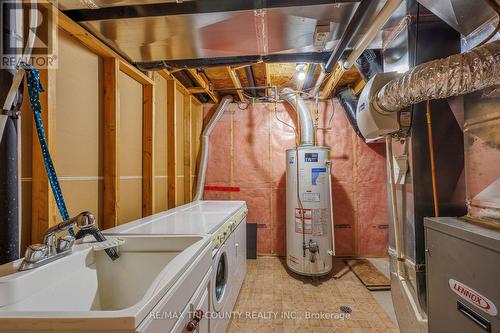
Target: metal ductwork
<point>305,119</point>
<point>459,74</point>
<point>205,143</point>
<point>369,64</point>
<point>349,102</point>
<point>456,75</point>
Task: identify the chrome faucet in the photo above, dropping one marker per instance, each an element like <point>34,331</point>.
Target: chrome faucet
<point>53,248</point>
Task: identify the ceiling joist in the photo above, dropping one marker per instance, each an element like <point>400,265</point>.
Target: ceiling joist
<point>203,84</point>
<point>236,82</point>
<point>332,80</point>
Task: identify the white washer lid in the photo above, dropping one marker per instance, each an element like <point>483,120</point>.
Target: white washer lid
<point>196,218</point>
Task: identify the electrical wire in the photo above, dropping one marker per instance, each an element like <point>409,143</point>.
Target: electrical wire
<point>493,4</point>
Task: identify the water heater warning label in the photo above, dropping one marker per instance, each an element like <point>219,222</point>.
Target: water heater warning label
<point>310,197</point>
<point>315,221</point>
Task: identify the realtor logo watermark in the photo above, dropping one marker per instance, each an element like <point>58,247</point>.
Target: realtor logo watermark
<point>29,33</point>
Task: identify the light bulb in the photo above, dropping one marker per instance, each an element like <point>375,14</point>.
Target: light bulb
<point>301,76</point>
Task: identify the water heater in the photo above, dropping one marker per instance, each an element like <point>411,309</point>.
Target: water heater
<point>309,211</point>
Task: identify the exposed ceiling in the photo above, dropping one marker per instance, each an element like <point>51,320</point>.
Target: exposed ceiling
<point>214,46</point>
<point>154,30</point>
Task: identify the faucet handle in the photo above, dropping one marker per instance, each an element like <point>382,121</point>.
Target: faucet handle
<point>36,252</point>
<point>85,220</point>
<point>64,243</point>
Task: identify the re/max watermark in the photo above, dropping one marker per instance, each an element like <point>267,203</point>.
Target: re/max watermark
<point>255,315</point>
<point>30,33</point>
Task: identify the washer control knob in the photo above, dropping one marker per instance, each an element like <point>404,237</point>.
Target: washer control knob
<point>191,325</point>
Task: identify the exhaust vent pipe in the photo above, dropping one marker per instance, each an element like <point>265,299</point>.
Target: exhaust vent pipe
<point>459,74</point>
<point>305,119</point>
<point>349,102</point>
<point>205,142</point>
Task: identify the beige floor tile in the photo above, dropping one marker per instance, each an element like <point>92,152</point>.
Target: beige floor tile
<point>306,305</point>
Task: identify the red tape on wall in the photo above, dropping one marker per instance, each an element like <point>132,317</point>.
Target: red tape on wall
<point>223,188</point>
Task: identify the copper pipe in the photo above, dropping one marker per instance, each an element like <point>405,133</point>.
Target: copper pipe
<point>433,163</point>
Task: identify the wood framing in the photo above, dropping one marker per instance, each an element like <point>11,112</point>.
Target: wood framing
<point>203,84</point>
<point>171,142</point>
<point>167,75</point>
<point>188,163</point>
<point>268,79</point>
<point>332,80</point>
<point>111,68</point>
<point>236,82</point>
<point>358,87</point>
<point>43,206</point>
<point>196,90</point>
<point>95,45</point>
<point>148,182</point>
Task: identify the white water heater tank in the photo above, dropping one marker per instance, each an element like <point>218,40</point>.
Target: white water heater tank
<point>309,211</point>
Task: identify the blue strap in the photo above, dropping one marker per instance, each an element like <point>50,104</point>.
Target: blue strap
<point>34,89</point>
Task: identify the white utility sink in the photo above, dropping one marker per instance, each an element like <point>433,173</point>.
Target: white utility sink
<point>88,285</point>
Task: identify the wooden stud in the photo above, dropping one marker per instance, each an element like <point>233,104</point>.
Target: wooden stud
<point>268,79</point>
<point>196,90</point>
<point>332,81</point>
<point>236,82</point>
<point>171,142</point>
<point>196,131</point>
<point>148,135</point>
<point>188,185</point>
<point>134,73</point>
<point>44,209</point>
<point>203,84</point>
<point>111,142</point>
<point>168,76</point>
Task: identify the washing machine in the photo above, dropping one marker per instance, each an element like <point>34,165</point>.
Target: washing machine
<point>228,269</point>
<point>225,222</point>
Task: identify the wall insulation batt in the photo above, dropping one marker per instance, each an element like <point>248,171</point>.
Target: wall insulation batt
<point>248,151</point>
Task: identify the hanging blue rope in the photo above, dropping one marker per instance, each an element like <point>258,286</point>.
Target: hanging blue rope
<point>34,90</point>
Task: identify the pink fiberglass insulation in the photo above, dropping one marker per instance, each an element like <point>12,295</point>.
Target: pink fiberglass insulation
<point>247,149</point>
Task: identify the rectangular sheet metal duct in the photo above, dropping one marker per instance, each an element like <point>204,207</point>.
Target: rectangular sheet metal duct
<point>206,29</point>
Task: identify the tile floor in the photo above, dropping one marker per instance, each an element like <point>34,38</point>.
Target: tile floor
<point>274,300</point>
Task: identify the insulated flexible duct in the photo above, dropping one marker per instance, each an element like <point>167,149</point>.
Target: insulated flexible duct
<point>455,75</point>
<point>205,142</point>
<point>305,119</point>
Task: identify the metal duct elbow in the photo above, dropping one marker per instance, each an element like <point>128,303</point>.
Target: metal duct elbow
<point>205,142</point>
<point>455,75</point>
<point>305,119</point>
<point>349,102</point>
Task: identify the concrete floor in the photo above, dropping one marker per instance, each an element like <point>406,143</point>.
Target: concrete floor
<point>383,297</point>
<point>280,301</point>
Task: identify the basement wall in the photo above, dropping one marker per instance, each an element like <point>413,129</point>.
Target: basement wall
<point>248,151</point>
<point>73,114</point>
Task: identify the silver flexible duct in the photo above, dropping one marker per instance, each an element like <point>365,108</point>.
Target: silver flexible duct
<point>456,75</point>
<point>305,119</point>
<point>205,142</point>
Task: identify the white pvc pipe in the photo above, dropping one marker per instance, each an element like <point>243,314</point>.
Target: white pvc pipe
<point>379,22</point>
<point>394,204</point>
<point>205,142</point>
